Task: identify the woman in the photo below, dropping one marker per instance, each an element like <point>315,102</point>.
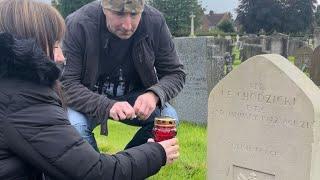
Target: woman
<point>35,136</point>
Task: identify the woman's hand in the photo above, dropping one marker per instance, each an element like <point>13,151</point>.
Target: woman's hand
<point>171,148</point>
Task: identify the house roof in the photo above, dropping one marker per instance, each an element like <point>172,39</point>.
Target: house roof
<point>214,19</point>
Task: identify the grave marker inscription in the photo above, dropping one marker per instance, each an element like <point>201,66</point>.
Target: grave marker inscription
<point>263,123</point>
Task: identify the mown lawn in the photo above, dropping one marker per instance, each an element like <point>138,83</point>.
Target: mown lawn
<point>193,149</point>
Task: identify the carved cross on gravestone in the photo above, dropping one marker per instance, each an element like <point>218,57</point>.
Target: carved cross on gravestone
<point>192,16</point>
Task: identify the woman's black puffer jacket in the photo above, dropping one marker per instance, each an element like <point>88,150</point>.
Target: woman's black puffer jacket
<point>30,105</point>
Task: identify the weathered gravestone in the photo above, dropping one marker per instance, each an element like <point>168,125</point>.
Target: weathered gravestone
<point>204,69</point>
<point>315,66</point>
<point>263,123</point>
<point>303,58</point>
<point>294,44</point>
<point>279,44</point>
<point>250,50</point>
<point>316,36</point>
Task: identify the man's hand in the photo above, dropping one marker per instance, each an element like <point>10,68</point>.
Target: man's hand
<point>145,105</point>
<point>121,111</point>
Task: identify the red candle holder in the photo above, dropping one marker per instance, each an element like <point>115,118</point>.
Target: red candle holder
<point>164,128</point>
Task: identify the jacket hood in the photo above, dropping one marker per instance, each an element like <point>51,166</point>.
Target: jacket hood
<point>24,59</point>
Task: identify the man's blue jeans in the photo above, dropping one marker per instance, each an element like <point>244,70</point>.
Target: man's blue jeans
<point>85,126</point>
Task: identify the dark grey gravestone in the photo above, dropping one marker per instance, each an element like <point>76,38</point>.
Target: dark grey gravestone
<point>316,36</point>
<point>315,66</point>
<point>294,44</point>
<point>222,45</point>
<point>250,39</point>
<point>303,58</point>
<point>279,44</point>
<point>228,61</point>
<point>250,50</point>
<point>204,70</point>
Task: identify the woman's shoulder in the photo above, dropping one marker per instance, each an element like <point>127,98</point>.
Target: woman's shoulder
<point>17,94</point>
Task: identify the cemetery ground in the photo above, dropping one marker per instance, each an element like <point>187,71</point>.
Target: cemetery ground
<point>193,149</point>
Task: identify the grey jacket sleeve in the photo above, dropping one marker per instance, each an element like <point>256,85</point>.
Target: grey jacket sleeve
<point>168,67</point>
<point>79,97</point>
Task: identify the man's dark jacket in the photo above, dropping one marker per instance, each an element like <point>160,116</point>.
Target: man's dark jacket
<point>29,104</point>
<point>153,53</point>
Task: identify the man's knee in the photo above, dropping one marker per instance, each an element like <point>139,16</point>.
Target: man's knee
<point>170,111</point>
<point>80,122</point>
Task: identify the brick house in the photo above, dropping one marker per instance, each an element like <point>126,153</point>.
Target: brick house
<point>211,20</point>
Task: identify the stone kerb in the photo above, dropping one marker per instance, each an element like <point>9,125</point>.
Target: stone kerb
<point>204,69</point>
<point>263,123</point>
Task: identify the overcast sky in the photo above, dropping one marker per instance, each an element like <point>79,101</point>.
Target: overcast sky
<point>220,6</point>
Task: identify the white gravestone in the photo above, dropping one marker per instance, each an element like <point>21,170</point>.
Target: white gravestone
<point>263,123</point>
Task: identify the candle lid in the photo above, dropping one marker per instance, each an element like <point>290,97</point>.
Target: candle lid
<point>165,120</point>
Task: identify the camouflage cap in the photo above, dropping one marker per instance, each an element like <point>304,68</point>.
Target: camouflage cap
<point>131,6</point>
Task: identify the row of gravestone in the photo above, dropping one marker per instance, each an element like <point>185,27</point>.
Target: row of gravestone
<point>203,58</point>
<point>263,123</point>
<point>308,60</point>
<point>262,118</point>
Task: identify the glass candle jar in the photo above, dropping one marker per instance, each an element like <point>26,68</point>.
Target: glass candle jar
<point>164,128</point>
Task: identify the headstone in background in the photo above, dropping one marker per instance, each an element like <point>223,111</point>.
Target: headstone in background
<point>250,39</point>
<point>228,37</point>
<point>238,41</point>
<point>294,44</point>
<point>228,61</point>
<point>315,66</point>
<point>316,36</point>
<point>238,38</point>
<point>279,44</point>
<point>250,50</point>
<point>204,69</point>
<point>223,45</point>
<point>303,58</point>
<point>263,42</point>
<point>310,43</point>
<point>263,123</point>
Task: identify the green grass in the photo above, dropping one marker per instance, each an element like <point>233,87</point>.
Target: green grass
<point>193,149</point>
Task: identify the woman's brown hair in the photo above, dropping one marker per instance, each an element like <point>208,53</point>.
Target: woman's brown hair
<point>31,19</point>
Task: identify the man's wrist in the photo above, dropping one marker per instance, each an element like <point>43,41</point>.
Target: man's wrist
<point>155,96</point>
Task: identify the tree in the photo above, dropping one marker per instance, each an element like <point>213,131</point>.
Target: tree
<point>288,16</point>
<point>254,15</point>
<point>298,15</point>
<point>67,7</point>
<point>226,26</point>
<point>317,16</point>
<point>177,14</point>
